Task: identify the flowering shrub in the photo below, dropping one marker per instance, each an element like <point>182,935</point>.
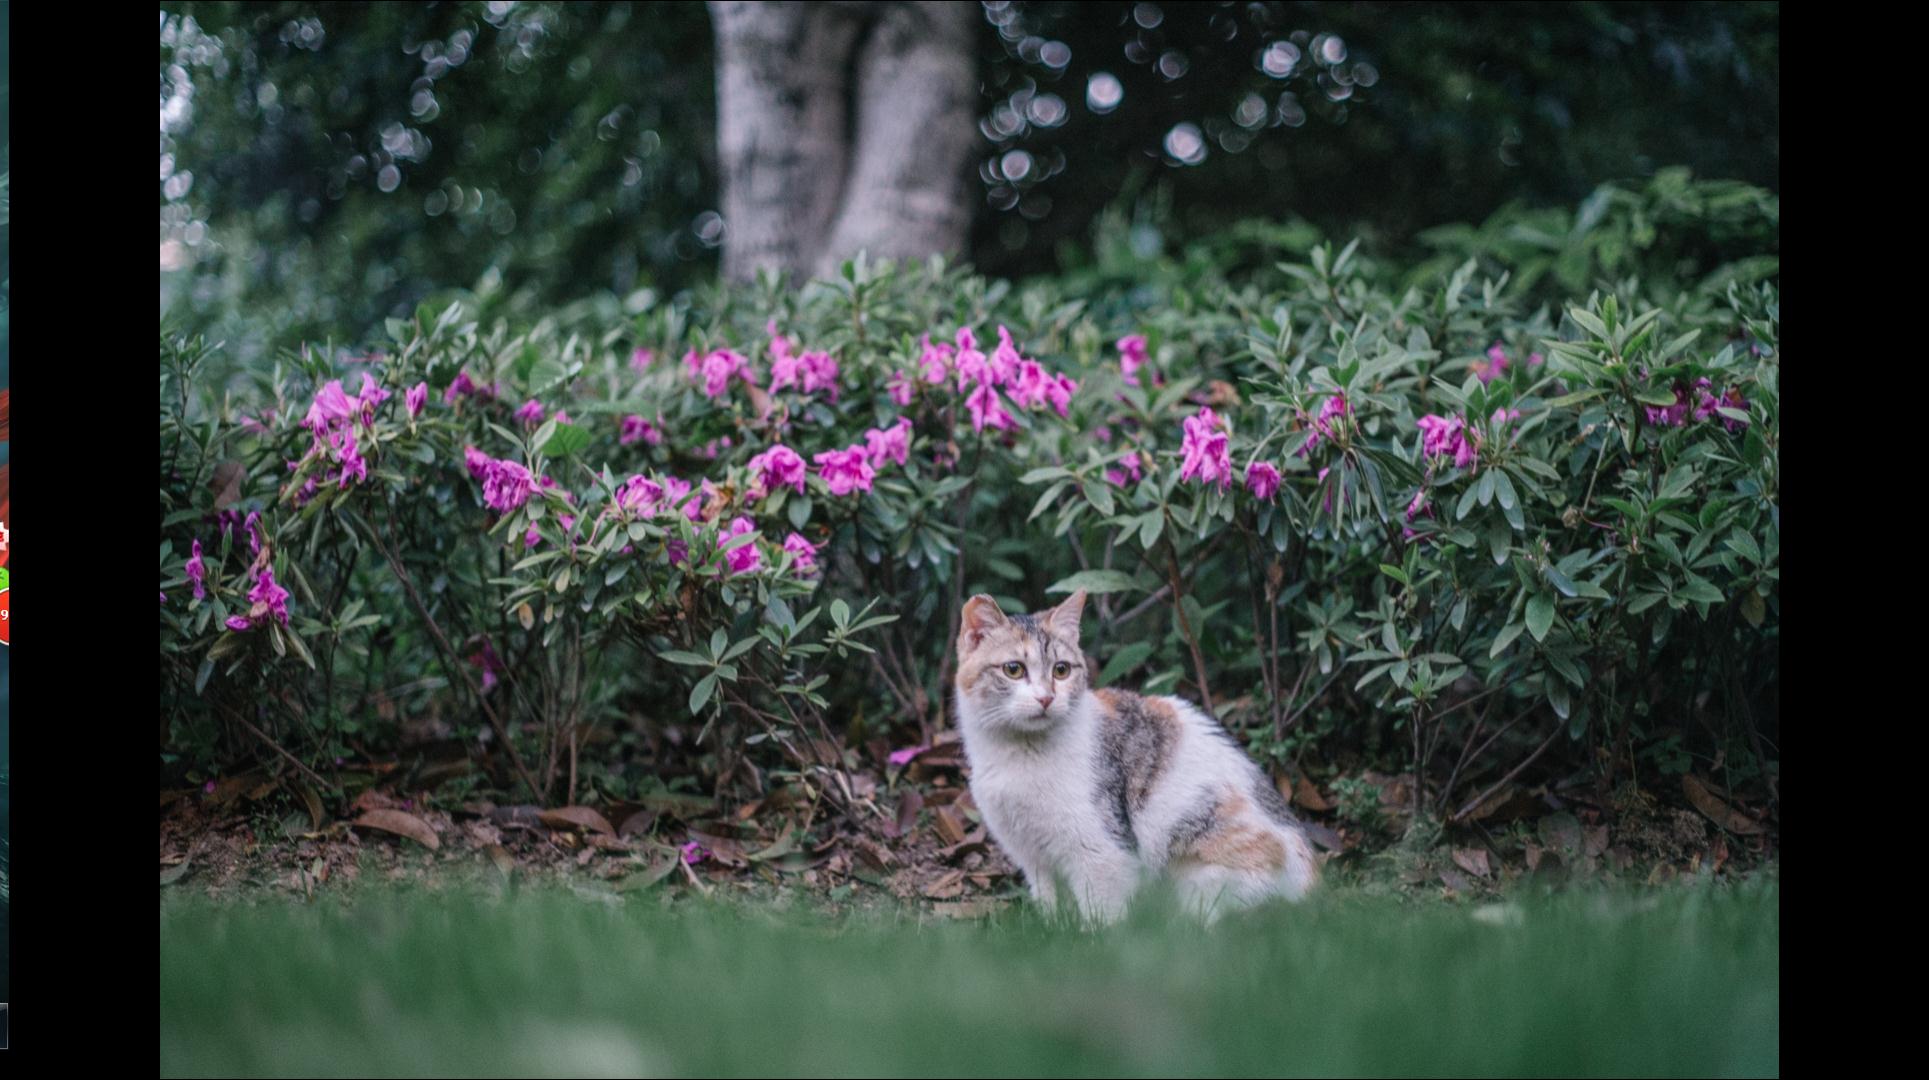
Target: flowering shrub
<point>1378,516</point>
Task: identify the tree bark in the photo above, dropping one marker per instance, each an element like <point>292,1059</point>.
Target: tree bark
<point>802,191</point>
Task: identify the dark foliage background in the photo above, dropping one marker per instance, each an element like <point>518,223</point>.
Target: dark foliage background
<point>326,166</point>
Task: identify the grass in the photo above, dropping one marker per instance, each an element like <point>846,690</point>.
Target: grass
<point>1682,982</point>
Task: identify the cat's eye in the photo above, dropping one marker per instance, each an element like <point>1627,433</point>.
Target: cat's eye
<point>1014,669</point>
<point>1061,669</point>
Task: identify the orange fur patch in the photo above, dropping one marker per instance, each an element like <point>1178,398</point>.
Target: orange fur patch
<point>1236,844</point>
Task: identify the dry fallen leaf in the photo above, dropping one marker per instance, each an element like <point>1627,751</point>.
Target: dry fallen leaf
<point>1473,861</point>
<point>951,825</point>
<point>1715,810</point>
<point>401,823</point>
<point>576,817</point>
<point>1305,794</point>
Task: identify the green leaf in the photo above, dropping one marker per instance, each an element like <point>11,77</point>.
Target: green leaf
<point>1540,615</point>
<point>1095,581</point>
<point>1127,658</point>
<point>568,439</point>
<point>700,693</point>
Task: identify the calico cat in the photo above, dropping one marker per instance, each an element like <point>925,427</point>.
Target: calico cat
<point>1101,790</point>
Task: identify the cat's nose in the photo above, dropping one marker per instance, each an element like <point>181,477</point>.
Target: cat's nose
<point>1044,702</point>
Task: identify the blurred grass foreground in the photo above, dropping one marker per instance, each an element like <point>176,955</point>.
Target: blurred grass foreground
<point>1684,982</point>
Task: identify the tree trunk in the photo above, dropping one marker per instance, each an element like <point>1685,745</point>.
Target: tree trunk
<point>801,192</point>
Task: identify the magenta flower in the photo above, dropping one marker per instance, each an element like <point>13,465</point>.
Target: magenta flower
<point>1501,417</point>
<point>1060,392</point>
<point>971,365</point>
<point>719,368</point>
<point>1207,449</point>
<point>746,558</point>
<point>804,551</point>
<point>934,361</point>
<point>331,405</point>
<point>372,395</point>
<point>1495,364</point>
<point>531,412</point>
<point>1027,389</point>
<point>1534,359</point>
<point>641,359</point>
<point>461,387</point>
<point>198,572</point>
<point>477,463</point>
<point>987,409</point>
<point>888,444</point>
<point>635,429</point>
<point>1131,357</point>
<point>1262,479</point>
<point>900,388</point>
<point>1675,415</point>
<point>485,658</point>
<point>417,397</point>
<point>845,471</point>
<point>786,370</point>
<point>1326,501</point>
<point>163,596</point>
<point>906,755</point>
<point>677,492</point>
<point>1129,469</point>
<point>777,467</point>
<point>1417,508</point>
<point>1731,398</point>
<point>532,537</point>
<point>239,623</point>
<point>268,598</point>
<point>1418,504</point>
<point>819,373</point>
<point>1005,359</point>
<point>506,485</point>
<point>693,853</point>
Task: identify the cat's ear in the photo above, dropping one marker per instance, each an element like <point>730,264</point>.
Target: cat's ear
<point>1063,619</point>
<point>981,617</point>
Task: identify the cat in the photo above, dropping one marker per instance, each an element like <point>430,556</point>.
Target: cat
<point>1103,790</point>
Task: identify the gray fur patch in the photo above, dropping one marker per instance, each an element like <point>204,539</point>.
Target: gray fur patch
<point>1193,827</point>
<point>1133,749</point>
<point>1271,801</point>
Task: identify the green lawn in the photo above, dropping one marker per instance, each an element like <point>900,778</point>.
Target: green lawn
<point>1681,982</point>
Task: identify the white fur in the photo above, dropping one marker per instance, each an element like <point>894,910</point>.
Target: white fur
<point>1035,780</point>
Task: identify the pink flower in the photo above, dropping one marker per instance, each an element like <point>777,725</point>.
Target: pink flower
<point>1028,388</point>
<point>900,388</point>
<point>1060,392</point>
<point>1534,359</point>
<point>971,365</point>
<point>417,396</point>
<point>505,484</point>
<point>1675,415</point>
<point>934,361</point>
<point>820,373</point>
<point>636,428</point>
<point>1005,359</point>
<point>463,386</point>
<point>1331,412</point>
<point>887,444</point>
<point>239,623</point>
<point>1326,501</point>
<point>531,412</point>
<point>1495,363</point>
<point>476,461</point>
<point>987,410</point>
<point>845,471</point>
<point>1207,449</point>
<point>786,370</point>
<point>804,551</point>
<point>719,368</point>
<point>485,658</point>
<point>746,558</point>
<point>1501,417</point>
<point>678,494</point>
<point>1417,508</point>
<point>198,572</point>
<point>331,405</point>
<point>1446,435</point>
<point>905,756</point>
<point>641,359</point>
<point>1131,357</point>
<point>268,598</point>
<point>693,853</point>
<point>1262,479</point>
<point>372,395</point>
<point>779,466</point>
<point>532,537</point>
<point>1130,468</point>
